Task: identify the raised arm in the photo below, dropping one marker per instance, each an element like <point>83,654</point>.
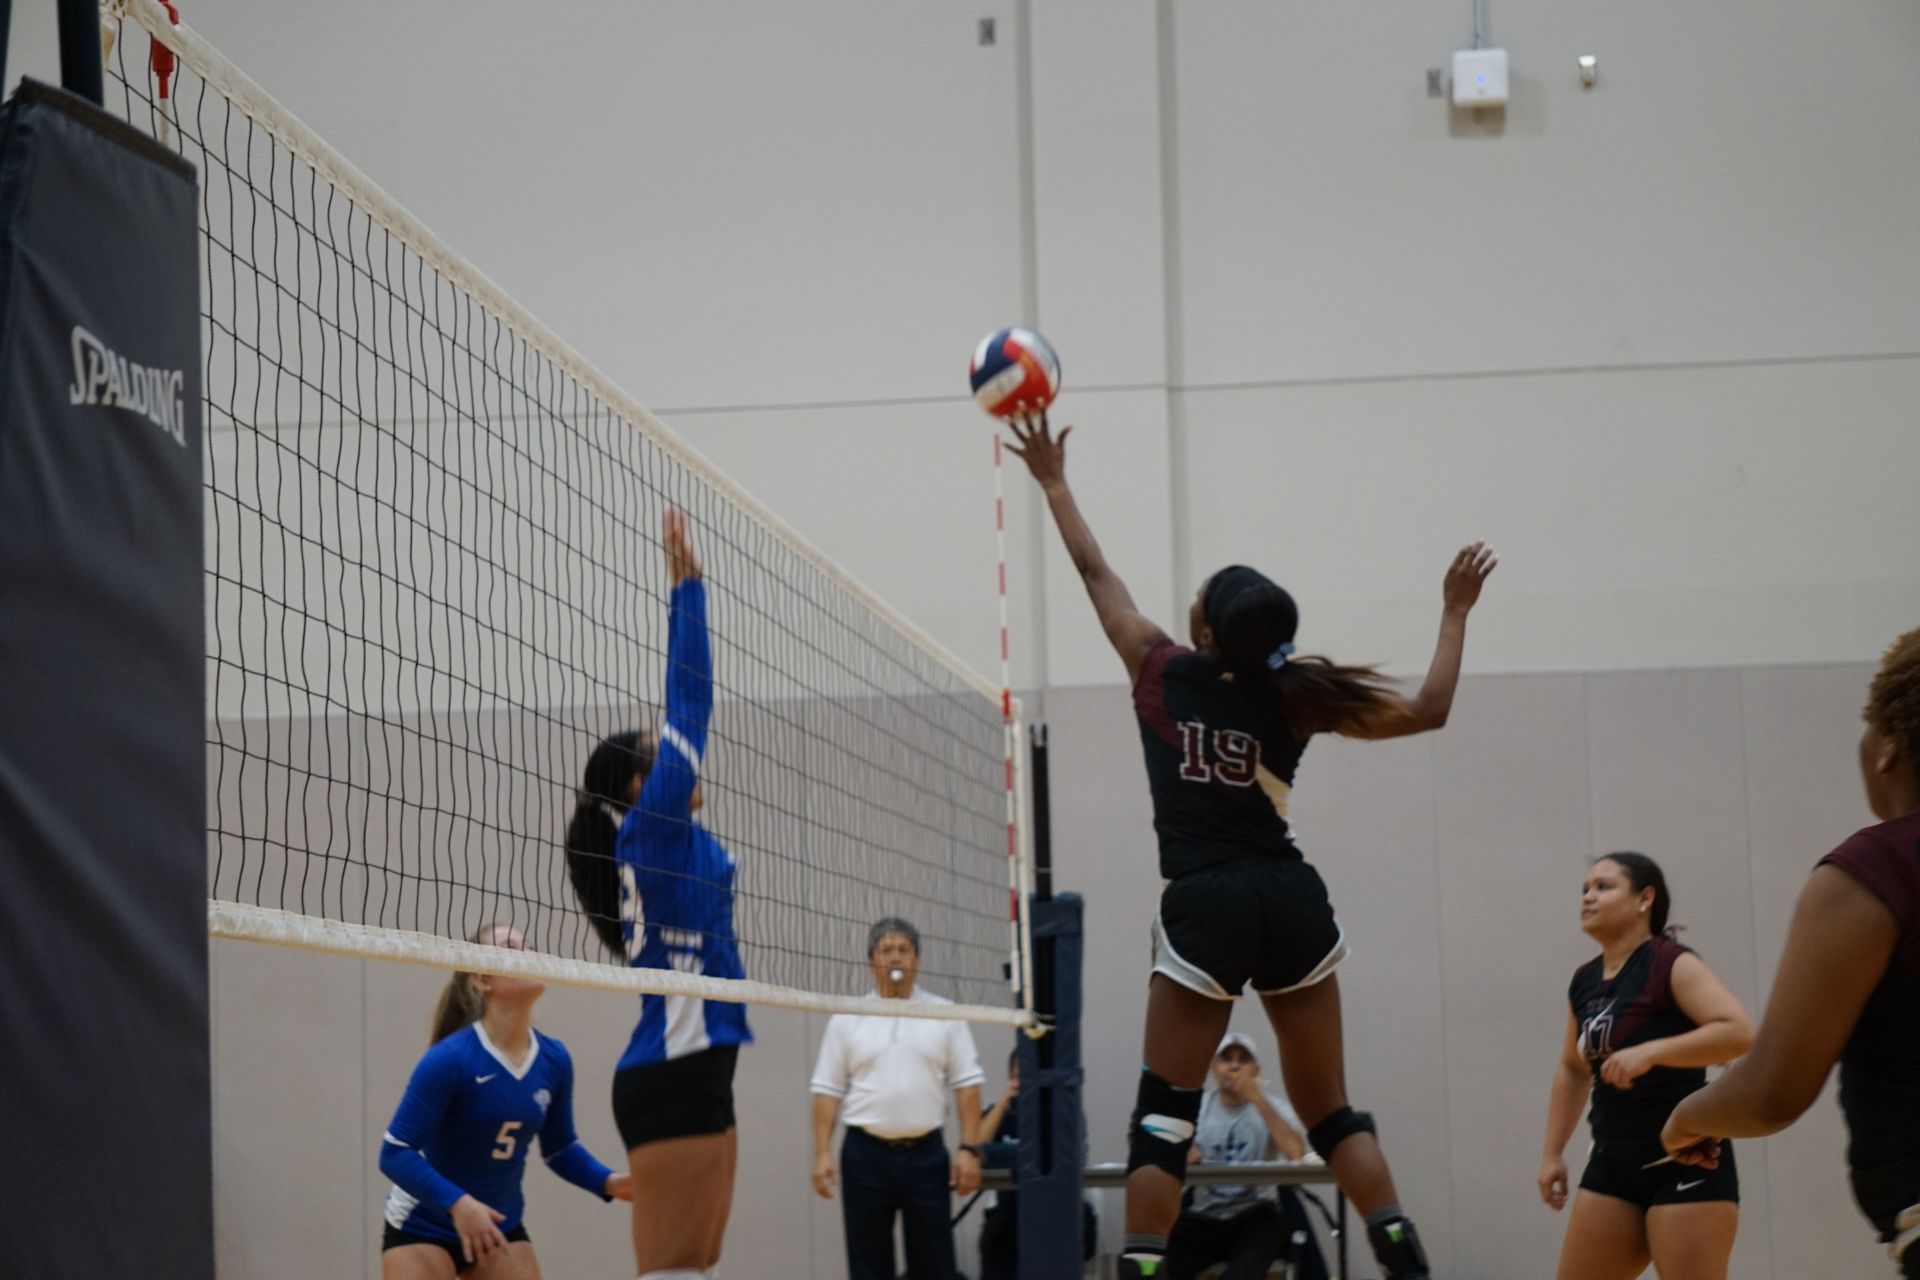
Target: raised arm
<point>668,790</point>
<point>1130,632</point>
<point>1429,708</point>
<point>1838,947</point>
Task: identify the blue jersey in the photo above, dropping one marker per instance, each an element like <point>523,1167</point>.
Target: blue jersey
<point>676,879</point>
<point>464,1125</point>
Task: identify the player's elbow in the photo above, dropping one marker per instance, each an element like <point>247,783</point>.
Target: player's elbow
<point>1776,1110</point>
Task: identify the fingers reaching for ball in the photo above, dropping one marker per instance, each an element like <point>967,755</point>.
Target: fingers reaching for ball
<point>1044,453</point>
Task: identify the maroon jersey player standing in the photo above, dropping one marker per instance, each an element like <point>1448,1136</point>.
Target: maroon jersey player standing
<point>1646,1018</point>
<point>1847,990</point>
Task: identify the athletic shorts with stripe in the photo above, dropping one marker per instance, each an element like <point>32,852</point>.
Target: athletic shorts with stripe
<point>1263,921</point>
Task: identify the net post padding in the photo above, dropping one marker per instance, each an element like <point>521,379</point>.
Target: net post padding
<point>1023,860</point>
<point>281,124</point>
<point>242,922</point>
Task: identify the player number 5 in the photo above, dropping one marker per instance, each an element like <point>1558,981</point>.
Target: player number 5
<point>504,1142</point>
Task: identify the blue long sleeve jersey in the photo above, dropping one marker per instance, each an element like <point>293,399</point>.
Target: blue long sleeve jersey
<point>676,878</point>
<point>464,1125</point>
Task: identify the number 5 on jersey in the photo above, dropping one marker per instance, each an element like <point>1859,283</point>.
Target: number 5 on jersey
<point>1235,761</point>
<point>506,1141</point>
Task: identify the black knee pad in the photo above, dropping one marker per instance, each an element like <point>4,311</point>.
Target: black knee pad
<point>1337,1128</point>
<point>1396,1246</point>
<point>1162,1128</point>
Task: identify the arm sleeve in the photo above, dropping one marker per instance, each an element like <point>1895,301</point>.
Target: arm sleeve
<point>1883,870</point>
<point>667,794</point>
<point>830,1069</point>
<point>963,1059</point>
<point>418,1116</point>
<point>565,1154</point>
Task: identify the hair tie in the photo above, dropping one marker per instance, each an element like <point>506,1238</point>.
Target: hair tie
<point>1278,658</point>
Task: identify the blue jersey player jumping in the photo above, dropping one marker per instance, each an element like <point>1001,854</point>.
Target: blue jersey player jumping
<point>658,889</point>
<point>458,1142</point>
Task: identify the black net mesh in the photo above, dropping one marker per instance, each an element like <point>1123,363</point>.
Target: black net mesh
<point>436,581</point>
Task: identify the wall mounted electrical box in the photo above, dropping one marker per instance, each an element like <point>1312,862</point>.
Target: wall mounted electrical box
<point>1480,78</point>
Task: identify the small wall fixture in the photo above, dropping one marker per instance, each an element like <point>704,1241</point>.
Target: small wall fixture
<point>1589,68</point>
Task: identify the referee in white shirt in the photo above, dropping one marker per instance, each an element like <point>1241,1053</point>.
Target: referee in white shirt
<point>888,1079</point>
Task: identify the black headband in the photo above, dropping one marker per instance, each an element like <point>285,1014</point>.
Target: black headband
<point>1224,588</point>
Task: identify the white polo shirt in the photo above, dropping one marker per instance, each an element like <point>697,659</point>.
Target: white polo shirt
<point>894,1076</point>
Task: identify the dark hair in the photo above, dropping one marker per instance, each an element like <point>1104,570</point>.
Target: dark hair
<point>1644,873</point>
<point>590,835</point>
<point>459,1003</point>
<point>1893,700</point>
<point>1253,620</point>
<point>890,925</point>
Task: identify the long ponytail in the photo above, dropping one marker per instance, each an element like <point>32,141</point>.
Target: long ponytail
<point>459,1003</point>
<point>1253,620</point>
<point>591,867</point>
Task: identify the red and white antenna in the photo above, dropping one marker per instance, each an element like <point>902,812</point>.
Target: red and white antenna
<point>1009,731</point>
<point>162,62</point>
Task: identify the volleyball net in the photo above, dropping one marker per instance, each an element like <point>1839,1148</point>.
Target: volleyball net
<point>435,581</point>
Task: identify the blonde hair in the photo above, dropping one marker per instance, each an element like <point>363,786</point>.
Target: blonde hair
<point>460,1004</point>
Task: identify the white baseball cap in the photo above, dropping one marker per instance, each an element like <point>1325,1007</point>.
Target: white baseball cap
<point>1243,1041</point>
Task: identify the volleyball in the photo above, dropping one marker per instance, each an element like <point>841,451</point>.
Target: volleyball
<point>1014,373</point>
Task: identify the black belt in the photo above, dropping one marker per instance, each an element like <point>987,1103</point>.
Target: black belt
<point>901,1144</point>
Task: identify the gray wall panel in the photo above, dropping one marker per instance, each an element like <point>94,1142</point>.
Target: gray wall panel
<point>290,1173</point>
<point>1669,780</point>
<point>1512,824</point>
<point>1801,727</point>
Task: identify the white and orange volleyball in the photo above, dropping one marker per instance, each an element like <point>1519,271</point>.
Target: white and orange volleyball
<point>1015,373</point>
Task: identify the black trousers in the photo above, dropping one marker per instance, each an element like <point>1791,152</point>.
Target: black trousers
<point>879,1183</point>
<point>1249,1242</point>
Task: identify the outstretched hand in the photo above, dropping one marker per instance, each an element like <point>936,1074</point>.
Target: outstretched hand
<point>683,562</point>
<point>1044,453</point>
<point>1466,575</point>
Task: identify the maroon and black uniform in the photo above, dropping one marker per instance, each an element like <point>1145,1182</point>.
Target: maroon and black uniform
<point>1880,1066</point>
<point>1243,905</point>
<point>1635,1006</point>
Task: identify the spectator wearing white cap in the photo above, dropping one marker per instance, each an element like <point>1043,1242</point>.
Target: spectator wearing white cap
<point>1240,1225</point>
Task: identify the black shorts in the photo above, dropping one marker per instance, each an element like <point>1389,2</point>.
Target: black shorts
<point>1264,921</point>
<point>393,1238</point>
<point>678,1098</point>
<point>1618,1169</point>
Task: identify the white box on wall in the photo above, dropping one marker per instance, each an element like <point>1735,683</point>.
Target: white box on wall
<point>1480,78</point>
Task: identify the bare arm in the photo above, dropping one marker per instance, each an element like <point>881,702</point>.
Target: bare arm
<point>995,1117</point>
<point>1130,632</point>
<point>1430,707</point>
<point>1723,1033</point>
<point>965,1174</point>
<point>1572,1083</point>
<point>1838,948</point>
<point>826,1112</point>
<point>1279,1132</point>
